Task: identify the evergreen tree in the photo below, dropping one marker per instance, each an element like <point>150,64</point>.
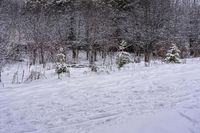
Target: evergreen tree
<point>173,55</point>
<point>123,57</point>
<point>60,64</point>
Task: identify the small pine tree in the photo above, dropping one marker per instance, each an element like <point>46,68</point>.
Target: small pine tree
<point>173,55</point>
<point>60,64</point>
<point>123,57</point>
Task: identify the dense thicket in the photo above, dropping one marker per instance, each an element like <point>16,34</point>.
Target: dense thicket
<point>148,26</point>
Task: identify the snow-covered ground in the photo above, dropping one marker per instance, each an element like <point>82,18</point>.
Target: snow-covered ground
<point>163,98</point>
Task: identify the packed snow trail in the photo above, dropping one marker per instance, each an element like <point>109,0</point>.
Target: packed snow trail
<point>81,103</point>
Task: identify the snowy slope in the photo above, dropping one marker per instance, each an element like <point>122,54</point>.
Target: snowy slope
<point>159,99</point>
<point>170,121</point>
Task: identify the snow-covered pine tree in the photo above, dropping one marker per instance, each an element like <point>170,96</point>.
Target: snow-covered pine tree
<point>123,57</point>
<point>173,55</point>
<point>61,67</point>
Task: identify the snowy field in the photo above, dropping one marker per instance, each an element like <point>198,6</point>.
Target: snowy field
<point>163,98</point>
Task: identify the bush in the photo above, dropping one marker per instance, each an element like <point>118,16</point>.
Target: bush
<point>173,55</point>
<point>122,59</point>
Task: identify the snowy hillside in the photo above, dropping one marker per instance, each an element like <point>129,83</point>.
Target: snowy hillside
<point>163,98</point>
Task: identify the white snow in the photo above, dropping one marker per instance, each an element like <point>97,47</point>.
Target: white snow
<point>163,98</point>
<point>169,121</point>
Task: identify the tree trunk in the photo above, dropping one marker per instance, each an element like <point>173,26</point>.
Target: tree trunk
<point>0,77</point>
<point>91,60</point>
<point>95,55</point>
<point>147,59</point>
<point>77,54</point>
<point>34,56</point>
<point>0,73</point>
<point>87,55</point>
<point>74,54</point>
<point>41,55</point>
<point>91,55</point>
<point>104,57</point>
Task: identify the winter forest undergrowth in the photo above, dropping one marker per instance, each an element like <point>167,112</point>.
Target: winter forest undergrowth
<point>99,66</point>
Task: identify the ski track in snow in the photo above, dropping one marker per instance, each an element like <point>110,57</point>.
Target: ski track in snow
<point>78,104</point>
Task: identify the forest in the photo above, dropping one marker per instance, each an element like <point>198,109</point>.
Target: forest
<point>37,29</point>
